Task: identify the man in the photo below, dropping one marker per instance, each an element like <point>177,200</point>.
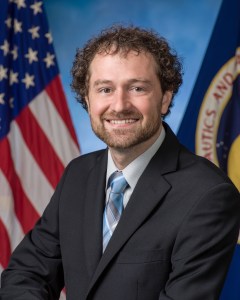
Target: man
<point>164,226</point>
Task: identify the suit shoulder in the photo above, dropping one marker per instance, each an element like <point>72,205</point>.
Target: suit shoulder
<point>85,163</point>
<point>201,167</point>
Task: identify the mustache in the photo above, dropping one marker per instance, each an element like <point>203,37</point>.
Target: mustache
<point>127,114</point>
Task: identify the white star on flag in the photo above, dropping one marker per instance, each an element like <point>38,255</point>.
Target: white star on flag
<point>36,7</point>
<point>15,53</point>
<point>1,98</point>
<point>11,102</point>
<point>34,32</point>
<point>8,22</point>
<point>49,37</point>
<point>49,60</point>
<point>17,26</point>
<point>28,80</point>
<point>5,47</point>
<point>20,3</point>
<point>13,77</point>
<point>31,55</point>
<point>3,72</point>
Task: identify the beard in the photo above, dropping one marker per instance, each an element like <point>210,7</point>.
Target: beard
<point>122,139</point>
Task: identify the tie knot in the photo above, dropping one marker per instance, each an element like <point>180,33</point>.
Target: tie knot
<point>117,182</point>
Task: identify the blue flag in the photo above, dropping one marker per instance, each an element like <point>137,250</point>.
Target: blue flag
<point>211,124</point>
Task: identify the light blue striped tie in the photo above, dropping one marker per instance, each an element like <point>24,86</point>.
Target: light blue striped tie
<point>114,206</point>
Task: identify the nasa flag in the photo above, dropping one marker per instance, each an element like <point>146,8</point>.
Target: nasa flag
<point>211,124</point>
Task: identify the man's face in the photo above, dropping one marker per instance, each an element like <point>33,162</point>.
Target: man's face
<point>125,99</point>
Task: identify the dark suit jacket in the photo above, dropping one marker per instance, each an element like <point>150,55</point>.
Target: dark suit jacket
<point>174,240</point>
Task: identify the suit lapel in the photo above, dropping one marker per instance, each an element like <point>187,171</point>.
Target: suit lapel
<point>149,192</point>
<point>94,206</point>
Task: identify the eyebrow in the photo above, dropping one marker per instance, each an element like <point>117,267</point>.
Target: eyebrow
<point>130,81</point>
<point>141,80</point>
<point>100,82</point>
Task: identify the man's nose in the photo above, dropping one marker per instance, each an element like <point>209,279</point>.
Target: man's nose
<point>120,101</point>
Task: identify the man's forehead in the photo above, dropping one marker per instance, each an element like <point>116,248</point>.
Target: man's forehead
<point>102,61</point>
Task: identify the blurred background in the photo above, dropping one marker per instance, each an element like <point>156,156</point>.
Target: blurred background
<point>186,24</point>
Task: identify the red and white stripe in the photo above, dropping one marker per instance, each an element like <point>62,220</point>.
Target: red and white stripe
<point>39,145</point>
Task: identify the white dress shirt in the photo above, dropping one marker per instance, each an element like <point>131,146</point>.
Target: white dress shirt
<point>135,169</point>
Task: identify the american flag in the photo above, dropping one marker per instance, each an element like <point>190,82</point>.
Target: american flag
<point>37,138</point>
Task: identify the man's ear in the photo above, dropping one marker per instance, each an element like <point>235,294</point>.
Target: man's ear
<point>87,103</point>
<point>166,101</point>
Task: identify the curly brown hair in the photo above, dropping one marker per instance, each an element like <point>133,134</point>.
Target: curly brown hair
<point>124,39</point>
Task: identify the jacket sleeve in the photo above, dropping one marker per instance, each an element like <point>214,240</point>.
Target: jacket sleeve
<point>35,268</point>
<point>204,246</point>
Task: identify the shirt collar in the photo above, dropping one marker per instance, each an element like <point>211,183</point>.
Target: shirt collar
<point>135,169</point>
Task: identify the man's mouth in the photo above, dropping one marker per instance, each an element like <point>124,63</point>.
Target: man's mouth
<point>122,122</point>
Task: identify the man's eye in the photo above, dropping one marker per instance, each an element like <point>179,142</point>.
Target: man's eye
<point>138,89</point>
<point>105,90</point>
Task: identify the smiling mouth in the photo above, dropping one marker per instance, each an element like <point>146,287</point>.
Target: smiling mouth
<point>122,122</point>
